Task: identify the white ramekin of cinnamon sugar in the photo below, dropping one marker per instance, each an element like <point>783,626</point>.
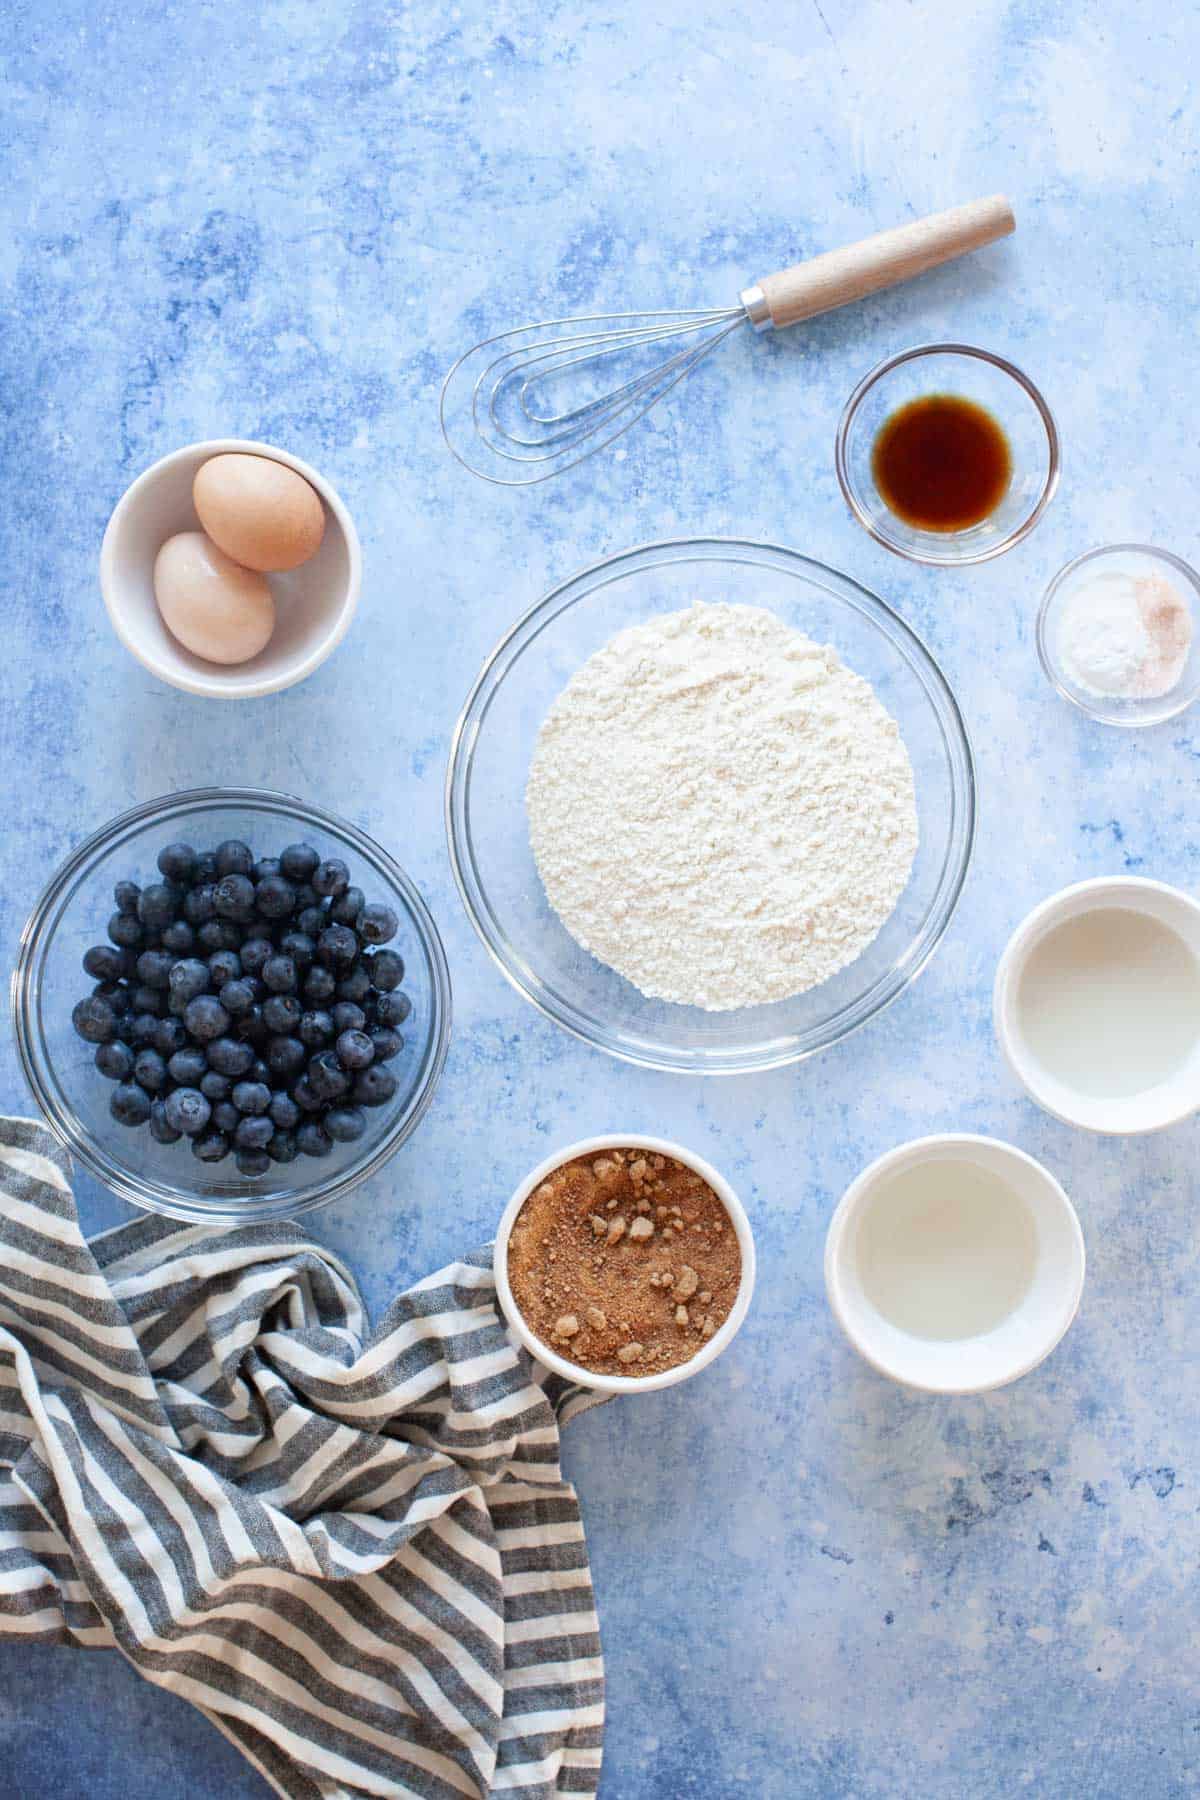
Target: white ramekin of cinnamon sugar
<point>624,1263</point>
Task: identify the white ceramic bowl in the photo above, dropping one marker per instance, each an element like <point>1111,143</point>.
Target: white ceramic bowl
<point>625,1384</point>
<point>314,603</point>
<point>1023,1339</point>
<point>1156,1107</point>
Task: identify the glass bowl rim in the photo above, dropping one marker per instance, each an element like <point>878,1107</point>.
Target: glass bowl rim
<point>26,982</point>
<point>1050,666</point>
<point>779,1051</point>
<point>1020,531</point>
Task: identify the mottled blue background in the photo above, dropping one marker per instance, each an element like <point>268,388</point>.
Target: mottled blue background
<point>283,221</point>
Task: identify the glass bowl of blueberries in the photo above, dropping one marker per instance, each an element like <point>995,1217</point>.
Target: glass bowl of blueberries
<point>231,1005</point>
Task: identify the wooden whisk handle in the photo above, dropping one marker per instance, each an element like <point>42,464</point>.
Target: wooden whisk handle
<point>877,262</point>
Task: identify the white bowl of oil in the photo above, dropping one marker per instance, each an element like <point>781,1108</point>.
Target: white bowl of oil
<point>1097,1005</point>
<point>954,1264</point>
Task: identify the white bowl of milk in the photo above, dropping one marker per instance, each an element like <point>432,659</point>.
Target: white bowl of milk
<point>1097,1005</point>
<point>954,1264</point>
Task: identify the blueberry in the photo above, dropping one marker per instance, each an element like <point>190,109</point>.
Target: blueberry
<point>393,1009</point>
<point>157,906</point>
<point>129,1104</point>
<point>374,1086</point>
<point>260,1072</point>
<point>319,985</point>
<point>279,974</point>
<point>177,862</point>
<point>125,929</point>
<point>299,862</point>
<point>286,1056</point>
<point>355,985</point>
<point>386,970</point>
<point>299,946</point>
<point>127,894</point>
<point>150,1071</point>
<point>306,896</point>
<point>313,1140</point>
<point>188,1067</point>
<point>266,865</point>
<point>234,898</point>
<point>347,906</point>
<point>146,1000</point>
<point>355,1050</point>
<point>315,1029</point>
<point>179,938</point>
<point>327,1079</point>
<point>330,878</point>
<point>116,993</point>
<point>104,962</point>
<point>306,1099</point>
<point>256,953</point>
<point>376,924</point>
<point>187,1110</point>
<point>226,1117</point>
<point>312,920</point>
<point>230,1056</point>
<point>284,1112</point>
<point>205,871</point>
<point>252,1026</point>
<point>206,1018</point>
<point>237,997</point>
<point>211,1146</point>
<point>224,966</point>
<point>252,1162</point>
<point>115,1060</point>
<point>142,1028</point>
<point>282,1147</point>
<point>154,968</point>
<point>199,904</point>
<point>337,947</point>
<point>94,1020</point>
<point>218,934</point>
<point>186,978</point>
<point>251,1097</point>
<point>274,897</point>
<point>161,1129</point>
<point>253,1133</point>
<point>234,858</point>
<point>214,1086</point>
<point>169,1036</point>
<point>345,1124</point>
<point>348,1017</point>
<point>281,1013</point>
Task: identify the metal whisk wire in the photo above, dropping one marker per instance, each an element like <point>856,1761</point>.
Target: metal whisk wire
<point>545,443</point>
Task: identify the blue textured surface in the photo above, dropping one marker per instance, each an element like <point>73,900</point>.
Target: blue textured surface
<point>284,222</point>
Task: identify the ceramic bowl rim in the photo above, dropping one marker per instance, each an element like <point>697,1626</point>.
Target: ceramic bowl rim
<point>928,555</point>
<point>589,1378</point>
<point>850,1205</point>
<point>215,686</point>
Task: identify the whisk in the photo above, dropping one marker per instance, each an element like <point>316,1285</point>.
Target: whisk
<point>498,412</point>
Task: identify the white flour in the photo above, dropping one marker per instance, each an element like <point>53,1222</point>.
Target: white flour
<point>719,809</point>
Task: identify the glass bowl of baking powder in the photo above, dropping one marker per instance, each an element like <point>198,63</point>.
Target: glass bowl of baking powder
<point>488,827</point>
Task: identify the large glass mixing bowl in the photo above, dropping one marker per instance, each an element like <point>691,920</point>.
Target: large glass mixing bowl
<point>60,1068</point>
<point>489,838</point>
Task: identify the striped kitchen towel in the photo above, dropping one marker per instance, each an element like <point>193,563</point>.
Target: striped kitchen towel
<point>353,1550</point>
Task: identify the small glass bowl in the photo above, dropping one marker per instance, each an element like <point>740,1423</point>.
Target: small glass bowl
<point>488,827</point>
<point>1124,559</point>
<point>991,382</point>
<point>73,1095</point>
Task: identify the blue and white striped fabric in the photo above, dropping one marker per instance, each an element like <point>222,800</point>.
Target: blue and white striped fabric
<point>354,1551</point>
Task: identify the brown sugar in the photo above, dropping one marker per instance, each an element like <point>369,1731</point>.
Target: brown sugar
<point>624,1261</point>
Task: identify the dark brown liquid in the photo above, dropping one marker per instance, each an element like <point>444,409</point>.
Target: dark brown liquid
<point>941,463</point>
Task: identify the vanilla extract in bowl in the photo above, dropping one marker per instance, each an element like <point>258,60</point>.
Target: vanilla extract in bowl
<point>941,463</point>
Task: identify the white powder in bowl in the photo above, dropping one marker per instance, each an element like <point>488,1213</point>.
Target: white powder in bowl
<point>720,810</point>
<point>1124,636</point>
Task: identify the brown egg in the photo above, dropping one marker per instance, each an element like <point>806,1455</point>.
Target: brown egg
<point>215,608</point>
<point>259,511</point>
